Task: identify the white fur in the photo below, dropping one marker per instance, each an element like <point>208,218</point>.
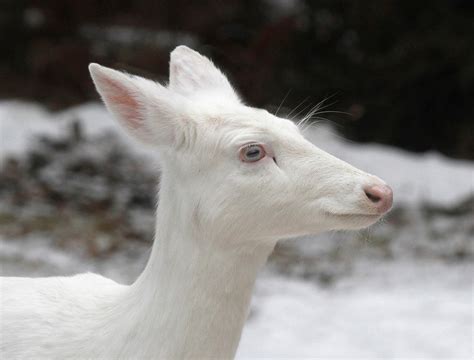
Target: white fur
<point>218,219</point>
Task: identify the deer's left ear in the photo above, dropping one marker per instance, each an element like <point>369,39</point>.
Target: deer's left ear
<point>147,110</point>
<point>190,72</point>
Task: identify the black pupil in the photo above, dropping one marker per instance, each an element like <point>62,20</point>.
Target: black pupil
<point>253,152</point>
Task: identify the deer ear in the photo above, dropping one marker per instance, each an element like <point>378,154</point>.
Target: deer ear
<point>147,110</point>
<point>190,72</point>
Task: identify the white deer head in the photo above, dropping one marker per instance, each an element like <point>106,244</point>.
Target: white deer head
<point>238,172</point>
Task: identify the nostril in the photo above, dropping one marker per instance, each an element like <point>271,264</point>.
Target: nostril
<point>380,196</point>
<point>373,196</point>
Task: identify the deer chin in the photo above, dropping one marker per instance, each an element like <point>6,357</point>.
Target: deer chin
<point>352,221</point>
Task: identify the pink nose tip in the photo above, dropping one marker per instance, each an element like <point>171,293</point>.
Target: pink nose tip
<point>381,196</point>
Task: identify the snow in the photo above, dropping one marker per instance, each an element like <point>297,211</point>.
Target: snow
<point>364,317</point>
<point>395,310</point>
<point>407,307</point>
<point>21,122</point>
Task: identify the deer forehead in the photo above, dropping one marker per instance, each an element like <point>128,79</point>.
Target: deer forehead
<point>250,125</point>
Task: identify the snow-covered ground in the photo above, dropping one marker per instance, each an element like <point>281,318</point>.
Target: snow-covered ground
<point>390,301</point>
<point>383,310</point>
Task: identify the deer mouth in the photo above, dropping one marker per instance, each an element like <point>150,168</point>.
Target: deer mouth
<point>359,218</point>
<point>355,215</point>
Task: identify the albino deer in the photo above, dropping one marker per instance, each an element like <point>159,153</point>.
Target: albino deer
<point>235,179</point>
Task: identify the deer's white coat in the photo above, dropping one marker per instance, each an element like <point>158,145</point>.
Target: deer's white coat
<point>218,219</point>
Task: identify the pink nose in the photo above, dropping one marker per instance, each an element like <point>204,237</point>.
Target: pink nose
<point>381,196</point>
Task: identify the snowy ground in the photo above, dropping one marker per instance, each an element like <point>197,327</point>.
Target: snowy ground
<point>383,310</point>
<point>403,290</point>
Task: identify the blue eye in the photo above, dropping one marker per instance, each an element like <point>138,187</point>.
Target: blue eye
<point>252,153</point>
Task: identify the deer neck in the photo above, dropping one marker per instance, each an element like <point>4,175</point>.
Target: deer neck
<point>192,299</point>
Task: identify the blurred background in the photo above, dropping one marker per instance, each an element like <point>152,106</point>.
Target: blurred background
<point>397,78</point>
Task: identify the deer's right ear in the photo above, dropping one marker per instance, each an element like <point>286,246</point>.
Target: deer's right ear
<point>147,110</point>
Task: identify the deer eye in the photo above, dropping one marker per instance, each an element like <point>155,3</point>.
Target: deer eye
<point>252,153</point>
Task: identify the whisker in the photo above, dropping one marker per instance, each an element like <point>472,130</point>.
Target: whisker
<point>319,106</point>
<point>335,112</point>
<point>307,116</point>
<point>317,110</point>
<point>308,125</point>
<point>281,103</point>
<point>311,113</point>
<point>301,103</point>
<point>299,112</point>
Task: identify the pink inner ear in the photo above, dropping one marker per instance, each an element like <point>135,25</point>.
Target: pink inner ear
<point>128,107</point>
